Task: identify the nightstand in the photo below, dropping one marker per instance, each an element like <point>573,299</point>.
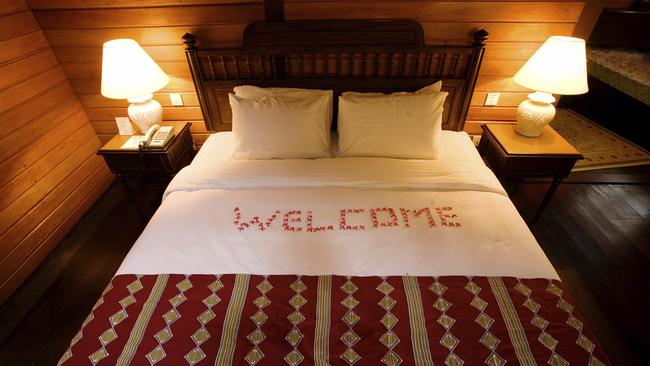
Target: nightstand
<point>161,163</point>
<point>513,157</point>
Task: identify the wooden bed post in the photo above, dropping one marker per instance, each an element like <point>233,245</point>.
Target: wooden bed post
<point>197,76</point>
<point>478,43</point>
<point>274,13</point>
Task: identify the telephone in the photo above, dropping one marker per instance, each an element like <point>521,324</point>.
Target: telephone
<point>157,136</point>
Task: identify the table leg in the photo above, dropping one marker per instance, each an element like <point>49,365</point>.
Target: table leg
<point>547,198</point>
<point>129,193</point>
<point>512,185</point>
<point>516,185</point>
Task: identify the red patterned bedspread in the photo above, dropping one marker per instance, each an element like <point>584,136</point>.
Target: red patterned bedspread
<point>333,320</point>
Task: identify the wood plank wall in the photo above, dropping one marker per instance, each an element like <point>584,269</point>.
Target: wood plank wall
<point>49,173</point>
<point>77,28</point>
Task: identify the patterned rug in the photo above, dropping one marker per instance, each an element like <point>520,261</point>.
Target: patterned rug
<point>600,147</point>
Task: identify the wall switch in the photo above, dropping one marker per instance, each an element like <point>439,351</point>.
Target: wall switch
<point>492,99</point>
<point>124,125</point>
<point>176,99</point>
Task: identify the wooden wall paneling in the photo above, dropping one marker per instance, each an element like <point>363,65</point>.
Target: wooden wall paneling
<point>439,11</point>
<point>27,134</point>
<point>162,53</point>
<point>22,45</point>
<point>110,128</point>
<point>12,6</point>
<point>76,30</point>
<point>501,67</point>
<point>159,32</point>
<point>510,50</point>
<point>498,83</point>
<point>149,17</point>
<point>222,34</point>
<point>104,127</point>
<point>420,1</point>
<point>75,4</point>
<point>36,106</point>
<point>516,32</point>
<point>37,171</point>
<point>30,232</point>
<point>31,154</point>
<point>99,101</point>
<point>46,143</point>
<point>38,199</point>
<point>169,113</point>
<point>229,35</point>
<point>14,72</point>
<point>75,206</point>
<point>25,90</point>
<point>91,86</point>
<point>506,99</point>
<point>90,70</point>
<point>454,32</point>
<point>494,113</point>
<point>516,29</point>
<point>17,24</point>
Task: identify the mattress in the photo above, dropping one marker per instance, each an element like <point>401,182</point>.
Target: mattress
<point>350,261</point>
<point>204,196</point>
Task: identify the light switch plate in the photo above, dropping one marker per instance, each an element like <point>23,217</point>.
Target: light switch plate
<point>124,125</point>
<point>492,99</point>
<point>176,99</point>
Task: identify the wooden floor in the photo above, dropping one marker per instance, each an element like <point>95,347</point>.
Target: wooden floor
<point>596,235</point>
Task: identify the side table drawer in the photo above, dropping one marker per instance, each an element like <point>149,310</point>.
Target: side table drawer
<point>119,164</point>
<point>491,152</point>
<point>179,151</point>
<point>558,167</point>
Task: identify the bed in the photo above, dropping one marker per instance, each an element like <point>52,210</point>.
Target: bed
<point>335,261</point>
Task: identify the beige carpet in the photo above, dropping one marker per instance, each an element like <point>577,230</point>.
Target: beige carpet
<point>600,147</point>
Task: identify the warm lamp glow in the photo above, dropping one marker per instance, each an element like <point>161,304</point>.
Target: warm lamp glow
<point>129,72</point>
<point>558,67</point>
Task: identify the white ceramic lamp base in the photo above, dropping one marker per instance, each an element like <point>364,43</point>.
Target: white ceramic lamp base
<point>145,112</point>
<point>534,113</point>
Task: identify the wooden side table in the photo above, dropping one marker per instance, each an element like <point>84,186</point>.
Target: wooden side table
<point>162,163</point>
<point>514,157</point>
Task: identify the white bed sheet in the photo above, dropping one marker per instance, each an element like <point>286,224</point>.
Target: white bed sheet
<point>196,230</point>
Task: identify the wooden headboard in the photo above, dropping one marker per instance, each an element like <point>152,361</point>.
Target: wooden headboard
<point>343,55</point>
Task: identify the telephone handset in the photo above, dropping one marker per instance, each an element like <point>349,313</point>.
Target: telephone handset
<point>157,136</point>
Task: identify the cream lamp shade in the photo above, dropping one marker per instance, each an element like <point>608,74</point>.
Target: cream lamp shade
<point>559,67</point>
<point>128,72</point>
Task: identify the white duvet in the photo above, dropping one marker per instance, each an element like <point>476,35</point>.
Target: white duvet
<point>343,216</point>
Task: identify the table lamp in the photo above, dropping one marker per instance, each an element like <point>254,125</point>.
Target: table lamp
<point>128,72</point>
<point>559,67</point>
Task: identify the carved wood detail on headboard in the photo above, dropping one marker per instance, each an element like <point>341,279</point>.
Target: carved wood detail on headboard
<point>359,55</point>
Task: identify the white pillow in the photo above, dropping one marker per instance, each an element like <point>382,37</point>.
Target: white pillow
<point>429,89</point>
<point>274,127</point>
<point>396,126</point>
<point>255,92</point>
